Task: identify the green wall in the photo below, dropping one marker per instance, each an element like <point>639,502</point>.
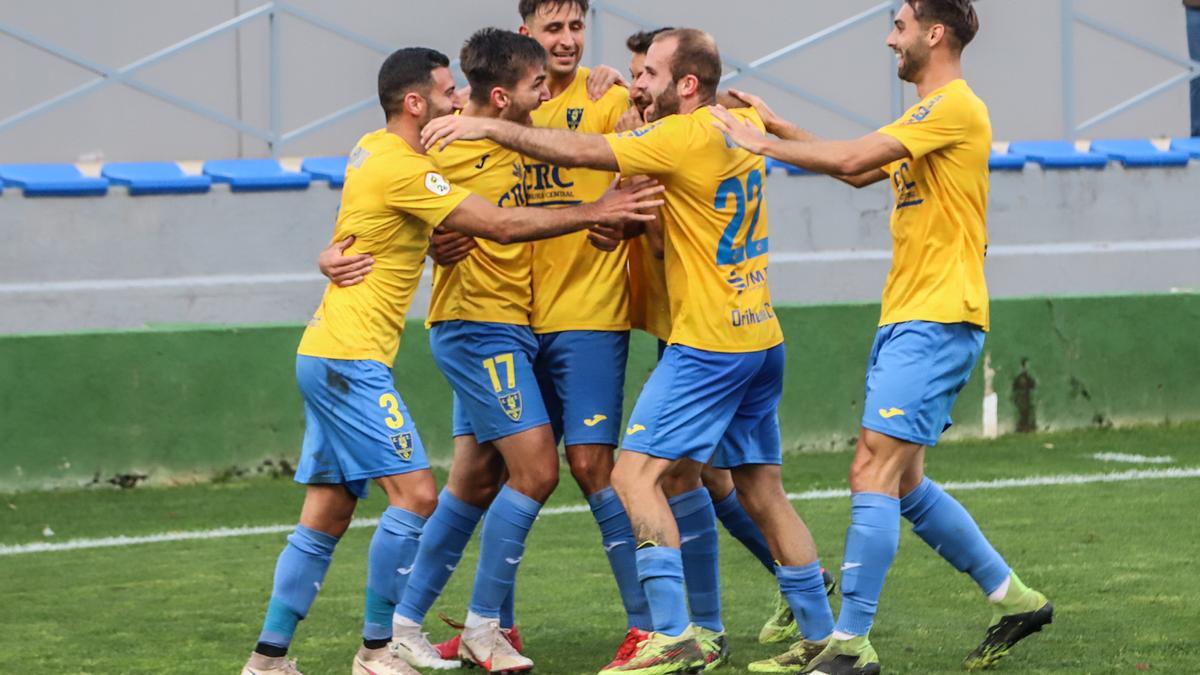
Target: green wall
<point>185,402</point>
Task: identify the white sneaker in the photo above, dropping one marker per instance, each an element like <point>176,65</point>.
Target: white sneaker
<point>380,661</point>
<point>412,644</point>
<point>488,647</point>
<point>269,665</point>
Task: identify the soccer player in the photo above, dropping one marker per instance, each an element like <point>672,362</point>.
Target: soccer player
<point>356,425</point>
<point>932,328</point>
<point>720,379</point>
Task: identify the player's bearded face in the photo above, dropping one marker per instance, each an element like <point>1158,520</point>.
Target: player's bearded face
<point>664,103</point>
<point>908,41</point>
<point>441,93</point>
<point>560,29</point>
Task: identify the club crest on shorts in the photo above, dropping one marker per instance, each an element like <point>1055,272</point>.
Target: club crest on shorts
<point>574,118</point>
<point>403,444</point>
<point>510,403</point>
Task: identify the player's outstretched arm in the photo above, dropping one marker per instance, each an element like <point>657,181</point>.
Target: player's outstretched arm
<point>556,146</point>
<point>477,217</point>
<point>857,162</point>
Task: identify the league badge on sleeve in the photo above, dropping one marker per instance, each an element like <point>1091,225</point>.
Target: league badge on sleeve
<point>574,118</point>
<point>510,403</point>
<point>437,184</point>
<point>403,444</point>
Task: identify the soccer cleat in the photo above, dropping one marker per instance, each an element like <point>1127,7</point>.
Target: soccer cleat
<point>782,627</point>
<point>449,649</point>
<point>412,644</point>
<point>488,647</point>
<point>382,661</point>
<point>633,638</point>
<point>269,665</point>
<point>1009,629</point>
<point>845,657</point>
<point>662,654</point>
<point>792,661</point>
<point>714,647</point>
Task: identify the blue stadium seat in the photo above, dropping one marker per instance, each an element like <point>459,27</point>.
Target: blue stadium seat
<point>1058,155</point>
<point>52,180</point>
<point>155,178</point>
<point>1188,145</point>
<point>1009,162</point>
<point>790,169</point>
<point>332,169</point>
<point>1139,153</point>
<point>255,175</point>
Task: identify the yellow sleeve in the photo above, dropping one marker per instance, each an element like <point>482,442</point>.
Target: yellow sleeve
<point>427,195</point>
<point>655,149</point>
<point>933,125</point>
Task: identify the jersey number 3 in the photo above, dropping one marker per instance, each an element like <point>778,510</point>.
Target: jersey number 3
<point>752,191</point>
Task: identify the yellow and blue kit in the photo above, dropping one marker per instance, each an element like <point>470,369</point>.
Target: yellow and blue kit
<point>935,303</point>
<point>721,377</point>
<point>356,424</point>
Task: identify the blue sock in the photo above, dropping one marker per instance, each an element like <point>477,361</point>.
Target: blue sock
<point>804,589</point>
<point>697,523</point>
<point>946,526</point>
<point>389,566</point>
<point>871,544</point>
<point>508,608</point>
<point>741,526</point>
<point>660,569</point>
<point>616,535</point>
<point>501,548</point>
<point>442,543</point>
<point>298,575</point>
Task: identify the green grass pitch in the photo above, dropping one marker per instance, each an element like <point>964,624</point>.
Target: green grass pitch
<point>1118,560</point>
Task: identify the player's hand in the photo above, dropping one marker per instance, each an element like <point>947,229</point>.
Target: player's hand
<point>742,132</point>
<point>607,238</point>
<point>636,202</point>
<point>631,119</point>
<point>445,130</point>
<point>774,123</point>
<point>341,269</point>
<point>601,79</point>
<point>448,247</point>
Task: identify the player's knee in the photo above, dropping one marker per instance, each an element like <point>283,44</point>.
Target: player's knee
<point>423,499</point>
<point>591,470</point>
<point>536,482</point>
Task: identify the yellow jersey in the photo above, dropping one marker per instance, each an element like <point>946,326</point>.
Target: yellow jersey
<point>715,225</point>
<point>492,283</point>
<point>649,304</point>
<point>392,200</point>
<point>575,285</point>
<point>939,224</point>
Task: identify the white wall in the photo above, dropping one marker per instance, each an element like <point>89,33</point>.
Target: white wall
<point>1015,65</point>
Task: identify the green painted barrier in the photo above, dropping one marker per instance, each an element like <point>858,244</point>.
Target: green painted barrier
<point>181,403</point>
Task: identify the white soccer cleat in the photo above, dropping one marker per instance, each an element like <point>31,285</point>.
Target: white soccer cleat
<point>488,647</point>
<point>382,661</point>
<point>412,644</point>
<point>269,665</point>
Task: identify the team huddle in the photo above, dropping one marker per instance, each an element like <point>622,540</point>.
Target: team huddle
<point>564,207</point>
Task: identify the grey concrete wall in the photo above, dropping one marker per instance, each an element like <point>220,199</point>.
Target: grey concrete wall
<point>1015,65</point>
<point>121,261</point>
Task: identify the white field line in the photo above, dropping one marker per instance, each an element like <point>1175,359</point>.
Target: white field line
<point>811,495</point>
<point>1133,459</point>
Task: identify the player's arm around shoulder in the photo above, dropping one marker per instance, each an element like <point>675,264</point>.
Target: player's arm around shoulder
<point>557,146</point>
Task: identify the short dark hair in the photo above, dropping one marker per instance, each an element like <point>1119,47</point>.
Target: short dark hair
<point>696,54</point>
<point>493,57</point>
<point>639,43</point>
<point>528,8</point>
<point>407,70</point>
<point>958,16</point>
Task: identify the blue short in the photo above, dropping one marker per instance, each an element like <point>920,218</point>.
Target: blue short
<point>490,368</point>
<point>356,427</point>
<point>916,370</point>
<point>697,401</point>
<point>582,377</point>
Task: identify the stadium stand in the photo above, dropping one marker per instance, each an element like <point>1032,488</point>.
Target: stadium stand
<point>155,178</point>
<point>255,175</point>
<point>1058,155</point>
<point>52,180</point>
<point>331,169</point>
<point>1188,145</point>
<point>1007,162</point>
<point>1139,153</point>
